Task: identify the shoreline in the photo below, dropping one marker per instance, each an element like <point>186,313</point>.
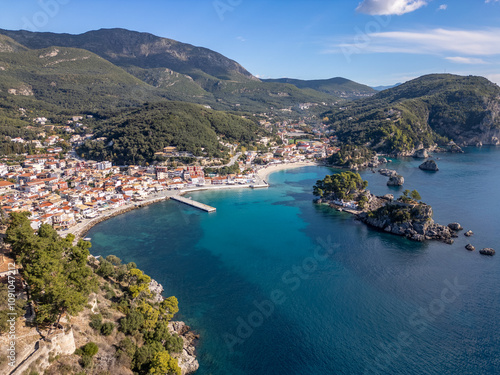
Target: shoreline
<point>81,229</point>
<point>268,170</point>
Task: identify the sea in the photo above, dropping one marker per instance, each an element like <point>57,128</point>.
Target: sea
<point>275,284</point>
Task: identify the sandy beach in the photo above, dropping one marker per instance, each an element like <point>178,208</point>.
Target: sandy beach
<point>266,171</point>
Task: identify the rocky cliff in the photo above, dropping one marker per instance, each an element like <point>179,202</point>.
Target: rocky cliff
<point>411,220</point>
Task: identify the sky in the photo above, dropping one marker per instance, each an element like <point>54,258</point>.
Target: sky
<point>375,42</point>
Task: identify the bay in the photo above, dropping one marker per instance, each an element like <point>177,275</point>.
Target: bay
<point>376,304</point>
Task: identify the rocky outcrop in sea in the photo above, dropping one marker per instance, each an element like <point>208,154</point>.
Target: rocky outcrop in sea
<point>413,221</point>
<point>396,181</point>
<point>429,165</point>
<point>487,251</point>
<point>388,172</point>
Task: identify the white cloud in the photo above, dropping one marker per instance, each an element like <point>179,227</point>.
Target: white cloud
<point>241,39</point>
<point>494,78</point>
<point>466,60</point>
<point>436,41</point>
<point>491,1</point>
<point>389,7</point>
<point>443,7</point>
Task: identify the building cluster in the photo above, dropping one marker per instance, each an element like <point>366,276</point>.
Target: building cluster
<point>61,192</point>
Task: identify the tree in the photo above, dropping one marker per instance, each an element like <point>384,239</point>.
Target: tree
<point>133,321</point>
<point>57,273</point>
<point>163,363</point>
<point>415,195</point>
<point>340,185</point>
<point>170,307</point>
<point>106,269</point>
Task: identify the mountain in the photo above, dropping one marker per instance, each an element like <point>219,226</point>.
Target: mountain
<point>338,86</point>
<point>431,109</point>
<point>129,48</point>
<point>382,88</point>
<point>180,71</point>
<point>68,78</point>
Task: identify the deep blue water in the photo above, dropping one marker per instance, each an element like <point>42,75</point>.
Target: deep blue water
<point>277,285</point>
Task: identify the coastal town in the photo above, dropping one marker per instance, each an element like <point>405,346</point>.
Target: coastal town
<point>63,190</point>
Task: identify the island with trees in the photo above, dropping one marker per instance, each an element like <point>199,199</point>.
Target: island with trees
<point>405,216</point>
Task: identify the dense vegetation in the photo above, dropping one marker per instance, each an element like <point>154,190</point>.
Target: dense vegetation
<point>56,272</point>
<point>134,136</point>
<point>419,113</point>
<point>345,185</point>
<point>351,156</point>
<point>60,280</point>
<point>408,212</point>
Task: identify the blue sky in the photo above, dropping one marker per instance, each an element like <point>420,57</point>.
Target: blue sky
<point>375,42</point>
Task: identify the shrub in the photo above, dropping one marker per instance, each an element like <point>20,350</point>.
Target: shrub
<point>86,361</point>
<point>96,321</point>
<point>107,328</point>
<point>90,349</point>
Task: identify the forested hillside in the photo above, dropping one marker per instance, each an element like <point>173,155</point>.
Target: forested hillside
<point>419,113</point>
<point>134,136</point>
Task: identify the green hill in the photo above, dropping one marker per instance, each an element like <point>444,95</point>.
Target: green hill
<point>134,136</point>
<point>340,87</point>
<point>421,112</point>
<point>70,79</point>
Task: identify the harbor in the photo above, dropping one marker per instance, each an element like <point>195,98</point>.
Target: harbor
<point>193,203</point>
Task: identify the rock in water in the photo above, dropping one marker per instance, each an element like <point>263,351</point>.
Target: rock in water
<point>468,233</point>
<point>388,172</point>
<point>470,247</point>
<point>455,226</point>
<point>429,165</point>
<point>487,251</point>
<point>421,154</point>
<point>396,181</point>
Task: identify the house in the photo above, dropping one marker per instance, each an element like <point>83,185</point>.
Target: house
<point>6,185</point>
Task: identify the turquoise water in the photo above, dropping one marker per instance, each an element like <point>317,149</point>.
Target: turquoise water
<point>277,285</point>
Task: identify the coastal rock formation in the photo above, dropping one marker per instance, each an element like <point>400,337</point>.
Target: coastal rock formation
<point>389,197</point>
<point>455,226</point>
<point>470,247</point>
<point>454,148</point>
<point>421,154</point>
<point>388,172</point>
<point>382,160</point>
<point>429,165</point>
<point>187,358</point>
<point>156,290</point>
<point>413,221</point>
<point>468,233</point>
<point>487,251</point>
<point>396,181</point>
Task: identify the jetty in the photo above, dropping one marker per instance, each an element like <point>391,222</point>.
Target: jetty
<point>193,203</point>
